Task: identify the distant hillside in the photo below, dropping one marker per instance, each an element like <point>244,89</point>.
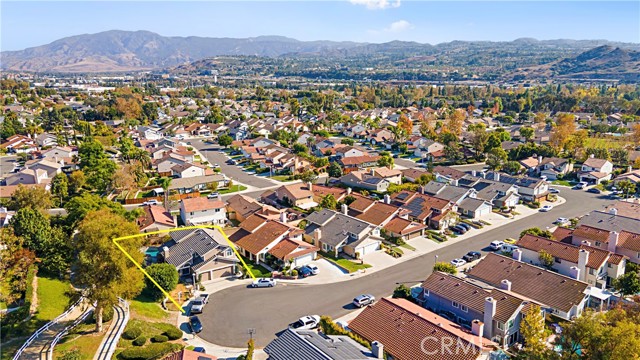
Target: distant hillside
<point>116,51</point>
<point>603,62</point>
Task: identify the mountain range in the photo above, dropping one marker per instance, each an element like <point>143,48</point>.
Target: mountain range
<point>118,51</point>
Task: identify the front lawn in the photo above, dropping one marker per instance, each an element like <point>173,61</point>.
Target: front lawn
<point>53,298</point>
<point>258,271</point>
<point>407,246</point>
<point>82,340</point>
<point>346,264</point>
<point>232,189</point>
<point>561,182</point>
<point>282,178</point>
<point>147,330</point>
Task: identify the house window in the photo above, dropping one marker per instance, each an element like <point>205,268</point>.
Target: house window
<point>455,304</point>
<point>609,265</point>
<point>638,255</point>
<point>464,308</point>
<point>510,324</point>
<point>191,213</point>
<point>426,292</point>
<point>598,243</point>
<point>217,210</point>
<point>591,272</point>
<point>500,325</point>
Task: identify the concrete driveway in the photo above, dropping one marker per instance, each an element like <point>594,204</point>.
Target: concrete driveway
<point>269,310</point>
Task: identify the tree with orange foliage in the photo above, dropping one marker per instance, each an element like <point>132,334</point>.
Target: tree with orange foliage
<point>562,133</point>
<point>405,124</point>
<point>455,122</point>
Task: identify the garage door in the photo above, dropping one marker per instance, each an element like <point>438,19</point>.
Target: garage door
<point>304,260</point>
<point>368,249</point>
<point>206,276</point>
<point>483,211</point>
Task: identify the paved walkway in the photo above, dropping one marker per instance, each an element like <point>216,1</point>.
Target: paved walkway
<point>110,340</point>
<point>38,349</point>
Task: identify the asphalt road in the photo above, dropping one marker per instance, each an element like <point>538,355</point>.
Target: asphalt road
<point>214,155</point>
<point>7,163</point>
<point>231,312</point>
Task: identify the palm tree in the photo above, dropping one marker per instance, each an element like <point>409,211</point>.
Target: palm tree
<point>165,182</point>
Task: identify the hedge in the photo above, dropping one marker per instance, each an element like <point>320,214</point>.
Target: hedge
<point>132,333</point>
<point>139,341</point>
<point>149,352</point>
<point>173,333</point>
<point>159,339</point>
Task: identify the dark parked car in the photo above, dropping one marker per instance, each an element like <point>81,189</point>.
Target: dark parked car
<point>304,271</point>
<point>464,225</point>
<point>195,324</point>
<point>471,256</point>
<point>459,229</point>
<point>594,191</point>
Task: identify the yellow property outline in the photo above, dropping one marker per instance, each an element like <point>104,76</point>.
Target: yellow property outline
<point>217,227</point>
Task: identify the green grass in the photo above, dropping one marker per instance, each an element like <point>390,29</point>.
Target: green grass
<point>346,264</point>
<point>233,189</point>
<point>147,308</point>
<point>407,246</point>
<point>53,298</point>
<point>149,329</point>
<point>83,339</point>
<point>561,182</point>
<point>606,143</point>
<point>10,348</point>
<point>258,271</point>
<point>281,178</point>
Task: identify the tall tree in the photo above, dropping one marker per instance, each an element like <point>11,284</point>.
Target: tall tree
<point>527,133</point>
<point>102,270</point>
<point>31,197</point>
<point>534,335</point>
<point>60,186</point>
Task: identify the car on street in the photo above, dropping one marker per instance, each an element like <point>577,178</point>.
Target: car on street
<point>151,202</point>
<point>594,191</point>
<point>215,166</point>
<point>198,303</point>
<point>314,269</point>
<point>195,325</point>
<point>554,191</point>
<point>263,282</point>
<point>459,229</point>
<point>510,241</point>
<point>496,245</point>
<point>304,271</point>
<point>363,300</point>
<point>458,262</point>
<point>508,248</point>
<point>472,256</point>
<point>308,322</point>
<point>561,221</point>
<point>213,195</point>
<point>581,185</point>
<point>231,162</point>
<point>546,208</point>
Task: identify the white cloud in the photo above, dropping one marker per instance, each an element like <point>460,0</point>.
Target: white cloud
<point>399,26</point>
<point>377,4</point>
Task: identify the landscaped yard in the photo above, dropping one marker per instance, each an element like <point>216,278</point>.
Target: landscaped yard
<point>407,246</point>
<point>347,264</point>
<point>561,182</point>
<point>147,308</point>
<point>82,339</point>
<point>147,330</point>
<point>232,189</point>
<point>53,298</point>
<point>281,177</point>
<point>257,270</point>
<point>606,143</point>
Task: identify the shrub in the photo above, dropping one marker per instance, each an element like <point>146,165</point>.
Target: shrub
<point>149,352</point>
<point>445,267</point>
<point>132,333</point>
<point>139,341</point>
<point>173,333</point>
<point>294,272</point>
<point>159,339</point>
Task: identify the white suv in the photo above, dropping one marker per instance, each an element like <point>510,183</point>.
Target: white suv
<point>496,245</point>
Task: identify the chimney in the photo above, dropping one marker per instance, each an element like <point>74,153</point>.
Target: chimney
<point>613,211</point>
<point>348,191</point>
<point>539,159</point>
<point>489,313</point>
<point>496,176</point>
<point>613,241</point>
<point>165,252</point>
<point>474,173</point>
<point>574,272</point>
<point>505,285</point>
<point>585,242</point>
<point>484,174</point>
<point>373,172</point>
<point>377,349</point>
<point>592,156</point>
<point>477,327</point>
<point>310,186</point>
<point>583,259</point>
<point>317,235</point>
<point>517,254</point>
<point>387,199</point>
<point>283,217</point>
<point>344,208</point>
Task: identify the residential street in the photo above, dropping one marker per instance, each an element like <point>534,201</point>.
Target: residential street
<point>7,163</point>
<point>233,311</point>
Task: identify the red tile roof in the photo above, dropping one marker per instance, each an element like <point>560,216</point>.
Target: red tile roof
<point>261,238</point>
<point>155,214</point>
<point>563,251</point>
<point>378,213</point>
<point>288,249</point>
<point>201,203</point>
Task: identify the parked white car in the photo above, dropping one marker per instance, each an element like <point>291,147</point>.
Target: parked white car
<point>458,262</point>
<point>151,202</point>
<point>546,208</point>
<point>306,323</point>
<point>562,221</point>
<point>263,282</point>
<point>496,245</point>
<point>198,303</point>
<point>314,269</point>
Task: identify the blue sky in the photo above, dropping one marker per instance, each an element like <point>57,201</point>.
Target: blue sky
<point>32,23</point>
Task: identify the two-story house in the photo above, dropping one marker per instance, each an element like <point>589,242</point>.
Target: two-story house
<point>364,179</point>
<point>462,302</point>
<point>201,210</point>
<point>560,295</point>
<point>551,167</point>
<point>202,254</point>
<point>594,171</point>
<point>426,209</point>
<point>335,232</point>
<point>299,195</point>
